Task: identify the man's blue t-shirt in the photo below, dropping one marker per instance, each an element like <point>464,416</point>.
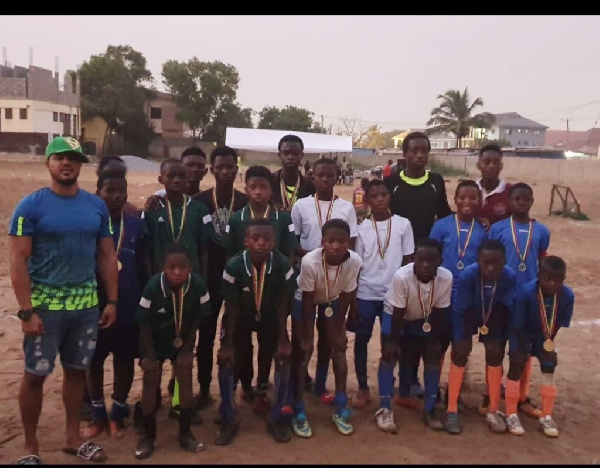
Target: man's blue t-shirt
<point>65,232</point>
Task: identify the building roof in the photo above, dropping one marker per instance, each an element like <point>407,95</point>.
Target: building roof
<point>403,135</point>
<point>512,119</point>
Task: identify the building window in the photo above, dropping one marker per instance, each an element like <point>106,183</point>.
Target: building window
<point>55,116</point>
<point>8,113</point>
<point>508,131</point>
<point>537,132</point>
<point>61,117</point>
<point>155,113</point>
<point>23,114</point>
<point>518,130</point>
<point>55,135</point>
<point>526,130</point>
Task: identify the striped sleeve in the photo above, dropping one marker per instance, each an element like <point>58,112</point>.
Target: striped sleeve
<point>22,221</point>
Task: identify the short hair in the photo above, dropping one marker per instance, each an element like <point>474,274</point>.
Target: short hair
<point>491,147</point>
<point>493,245</point>
<point>166,162</point>
<point>258,222</point>
<point>109,174</point>
<point>363,183</point>
<point>223,151</point>
<point>177,248</point>
<point>259,171</point>
<point>335,223</point>
<point>193,151</point>
<point>428,242</point>
<point>321,161</point>
<point>414,136</point>
<point>554,264</point>
<point>519,185</point>
<point>290,139</point>
<point>103,162</point>
<point>466,183</point>
<point>374,183</point>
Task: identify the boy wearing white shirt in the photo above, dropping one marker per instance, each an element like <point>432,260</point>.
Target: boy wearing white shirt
<point>327,282</point>
<point>413,324</point>
<point>385,243</point>
<point>309,215</point>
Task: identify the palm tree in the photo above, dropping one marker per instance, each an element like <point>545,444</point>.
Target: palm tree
<point>453,115</point>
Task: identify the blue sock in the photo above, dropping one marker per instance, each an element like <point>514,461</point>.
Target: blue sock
<point>321,378</point>
<point>431,377</point>
<point>405,375</point>
<point>119,411</point>
<point>225,376</point>
<point>299,407</point>
<point>99,410</point>
<point>360,359</point>
<point>385,375</point>
<point>281,377</point>
<point>340,401</point>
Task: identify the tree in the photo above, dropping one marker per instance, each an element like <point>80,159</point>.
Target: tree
<point>374,139</point>
<point>288,118</point>
<point>454,115</point>
<point>115,87</point>
<point>205,93</point>
<point>351,126</point>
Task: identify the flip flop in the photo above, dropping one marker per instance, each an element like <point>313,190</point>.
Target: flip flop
<point>29,460</point>
<point>88,451</point>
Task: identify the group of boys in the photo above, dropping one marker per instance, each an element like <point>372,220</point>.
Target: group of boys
<point>290,247</point>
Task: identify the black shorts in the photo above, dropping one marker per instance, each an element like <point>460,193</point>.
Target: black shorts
<point>122,340</point>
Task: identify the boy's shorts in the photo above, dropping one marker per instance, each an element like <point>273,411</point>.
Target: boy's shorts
<point>122,340</point>
<point>367,312</point>
<point>70,333</point>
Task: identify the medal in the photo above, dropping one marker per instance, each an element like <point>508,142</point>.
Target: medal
<point>388,231</point>
<point>382,265</point>
<point>426,313</point>
<point>223,220</point>
<point>265,215</point>
<point>177,308</point>
<point>461,251</point>
<point>119,265</point>
<point>513,229</point>
<point>329,310</point>
<point>119,241</point>
<point>548,326</point>
<point>183,215</point>
<point>178,342</point>
<point>485,314</point>
<point>288,200</point>
<point>258,286</point>
<point>329,210</point>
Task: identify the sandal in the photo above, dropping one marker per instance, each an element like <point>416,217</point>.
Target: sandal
<point>88,451</point>
<point>29,460</point>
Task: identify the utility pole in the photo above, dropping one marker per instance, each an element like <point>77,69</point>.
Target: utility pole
<point>322,121</point>
<point>567,120</point>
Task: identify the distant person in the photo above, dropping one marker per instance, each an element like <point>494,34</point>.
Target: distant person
<point>387,169</point>
<point>306,167</point>
<point>400,165</point>
<point>116,163</point>
<point>59,236</point>
<point>194,161</point>
<point>494,190</point>
<point>359,201</point>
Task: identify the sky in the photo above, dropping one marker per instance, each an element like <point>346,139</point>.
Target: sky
<point>372,70</point>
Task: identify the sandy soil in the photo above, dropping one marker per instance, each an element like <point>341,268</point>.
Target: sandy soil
<point>578,376</point>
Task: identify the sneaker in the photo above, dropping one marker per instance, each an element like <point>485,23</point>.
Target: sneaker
<point>190,443</point>
<point>300,426</point>
<point>342,422</point>
<point>530,409</point>
<point>144,448</point>
<point>453,424</point>
<point>513,424</point>
<point>287,411</point>
<point>548,426</point>
<point>385,421</point>
<point>409,402</point>
<point>362,399</point>
<point>280,430</point>
<point>261,406</point>
<point>327,397</point>
<point>483,407</point>
<point>496,422</point>
<point>227,433</point>
<point>432,420</point>
<point>416,390</point>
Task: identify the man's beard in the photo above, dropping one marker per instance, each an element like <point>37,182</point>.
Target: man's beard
<point>66,182</point>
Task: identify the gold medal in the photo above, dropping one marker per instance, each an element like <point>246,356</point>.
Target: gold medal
<point>329,210</point>
<point>119,241</point>
<point>119,265</point>
<point>287,199</point>
<point>426,312</point>
<point>388,235</point>
<point>329,312</point>
<point>178,342</point>
<point>258,285</point>
<point>183,216</point>
<point>484,330</point>
<point>461,251</point>
<point>426,327</point>
<point>485,314</point>
<point>460,265</point>
<point>177,307</point>
<point>549,345</point>
<point>522,267</point>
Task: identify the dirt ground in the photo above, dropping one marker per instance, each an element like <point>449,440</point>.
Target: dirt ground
<point>578,374</point>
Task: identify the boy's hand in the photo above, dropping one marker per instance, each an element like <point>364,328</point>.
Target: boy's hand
<point>184,360</point>
<point>152,202</point>
<point>225,356</point>
<point>149,365</point>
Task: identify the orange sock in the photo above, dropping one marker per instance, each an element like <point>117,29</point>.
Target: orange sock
<point>494,379</point>
<point>548,393</point>
<point>455,379</point>
<point>511,396</point>
<point>525,380</point>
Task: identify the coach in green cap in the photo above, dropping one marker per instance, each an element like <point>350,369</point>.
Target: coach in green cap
<point>66,145</point>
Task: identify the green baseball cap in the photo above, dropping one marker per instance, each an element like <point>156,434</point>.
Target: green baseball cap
<point>66,145</point>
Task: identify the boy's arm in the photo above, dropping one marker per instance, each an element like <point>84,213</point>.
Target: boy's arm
<point>391,327</point>
<point>308,320</point>
<point>408,245</point>
<point>142,315</point>
<point>297,221</point>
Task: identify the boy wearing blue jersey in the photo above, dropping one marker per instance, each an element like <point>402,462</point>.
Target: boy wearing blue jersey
<point>542,308</point>
<point>483,304</point>
<point>526,242</point>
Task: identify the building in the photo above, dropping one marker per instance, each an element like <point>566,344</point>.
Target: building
<point>34,108</point>
<point>515,129</point>
<point>586,142</point>
<point>398,139</point>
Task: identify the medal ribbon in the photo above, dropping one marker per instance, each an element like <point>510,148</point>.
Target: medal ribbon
<point>258,286</point>
<point>461,252</point>
<point>388,232</point>
<point>178,311</point>
<point>548,328</point>
<point>329,210</point>
<point>513,230</point>
<point>335,280</point>
<point>266,215</point>
<point>427,313</point>
<point>485,315</point>
<point>183,215</point>
<point>223,220</point>
<point>287,200</point>
<point>121,233</point>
